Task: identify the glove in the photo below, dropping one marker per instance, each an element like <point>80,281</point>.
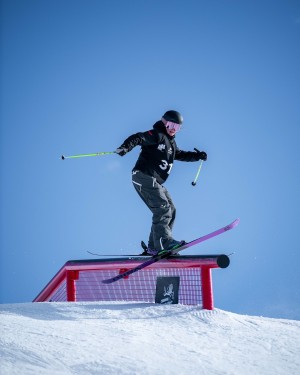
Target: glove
<point>121,151</point>
<point>201,155</point>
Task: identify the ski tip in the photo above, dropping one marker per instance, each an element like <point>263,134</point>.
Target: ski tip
<point>235,223</point>
<point>232,225</point>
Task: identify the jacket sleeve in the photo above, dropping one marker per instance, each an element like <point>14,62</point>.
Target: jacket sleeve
<point>186,155</point>
<point>140,139</point>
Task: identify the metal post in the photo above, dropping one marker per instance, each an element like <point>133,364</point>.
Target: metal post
<point>72,276</point>
<point>207,292</point>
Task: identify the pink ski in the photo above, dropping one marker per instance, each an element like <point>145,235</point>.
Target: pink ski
<point>168,253</point>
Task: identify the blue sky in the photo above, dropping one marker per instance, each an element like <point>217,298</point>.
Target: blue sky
<point>81,76</point>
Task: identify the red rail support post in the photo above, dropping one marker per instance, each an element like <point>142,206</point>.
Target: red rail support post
<point>207,291</point>
<point>72,276</point>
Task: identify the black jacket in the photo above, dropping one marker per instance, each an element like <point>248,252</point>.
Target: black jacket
<point>158,152</point>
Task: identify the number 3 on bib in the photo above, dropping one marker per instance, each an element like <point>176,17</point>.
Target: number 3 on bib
<point>166,166</point>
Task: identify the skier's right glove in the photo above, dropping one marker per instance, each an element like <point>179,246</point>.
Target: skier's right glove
<point>121,151</point>
<point>201,155</point>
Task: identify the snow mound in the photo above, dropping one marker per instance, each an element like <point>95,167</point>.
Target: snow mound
<point>139,338</point>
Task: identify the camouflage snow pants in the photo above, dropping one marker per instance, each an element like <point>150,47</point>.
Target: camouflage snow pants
<point>159,201</point>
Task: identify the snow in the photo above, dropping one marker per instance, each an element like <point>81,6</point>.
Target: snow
<point>142,338</point>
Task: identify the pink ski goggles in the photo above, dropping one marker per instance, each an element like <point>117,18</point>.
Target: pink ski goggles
<point>171,125</point>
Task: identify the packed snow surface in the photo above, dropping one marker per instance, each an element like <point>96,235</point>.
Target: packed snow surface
<point>141,338</point>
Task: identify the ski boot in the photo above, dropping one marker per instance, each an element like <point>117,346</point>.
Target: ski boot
<point>170,244</point>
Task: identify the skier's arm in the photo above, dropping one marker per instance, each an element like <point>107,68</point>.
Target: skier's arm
<point>138,139</point>
<point>190,155</point>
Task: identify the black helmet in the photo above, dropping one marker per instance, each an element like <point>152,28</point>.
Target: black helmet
<point>173,116</point>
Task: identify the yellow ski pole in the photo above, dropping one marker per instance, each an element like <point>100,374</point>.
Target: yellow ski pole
<point>63,157</point>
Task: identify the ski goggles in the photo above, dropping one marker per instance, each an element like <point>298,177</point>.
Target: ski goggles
<point>171,125</point>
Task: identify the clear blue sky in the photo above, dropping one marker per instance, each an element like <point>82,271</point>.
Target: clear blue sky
<point>81,76</point>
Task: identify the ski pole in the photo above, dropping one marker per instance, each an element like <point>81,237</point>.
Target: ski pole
<point>198,172</point>
<point>85,155</point>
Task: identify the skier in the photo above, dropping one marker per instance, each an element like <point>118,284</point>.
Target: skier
<point>158,151</point>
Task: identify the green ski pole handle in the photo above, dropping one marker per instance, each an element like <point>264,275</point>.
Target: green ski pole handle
<point>63,157</point>
<point>198,172</point>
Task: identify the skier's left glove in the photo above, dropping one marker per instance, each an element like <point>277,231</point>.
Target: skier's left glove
<point>201,155</point>
<point>121,151</point>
